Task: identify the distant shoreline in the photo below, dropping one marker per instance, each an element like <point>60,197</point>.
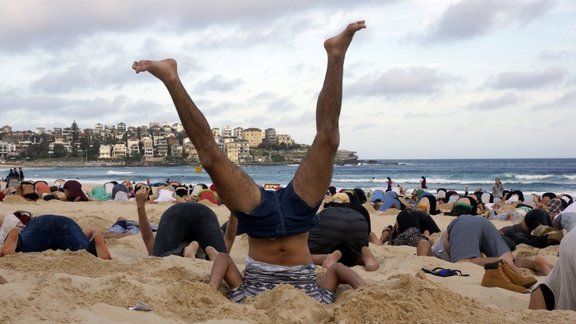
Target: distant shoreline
<point>94,164</point>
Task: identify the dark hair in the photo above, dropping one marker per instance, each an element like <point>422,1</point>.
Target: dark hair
<point>535,217</point>
<point>516,192</point>
<point>459,209</point>
<point>550,195</point>
<point>332,190</point>
<point>360,194</point>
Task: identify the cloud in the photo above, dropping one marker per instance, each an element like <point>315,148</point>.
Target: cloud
<point>217,83</point>
<point>504,100</point>
<point>566,100</point>
<point>471,18</point>
<point>415,80</point>
<point>31,23</point>
<point>281,106</point>
<point>528,80</point>
<point>557,54</point>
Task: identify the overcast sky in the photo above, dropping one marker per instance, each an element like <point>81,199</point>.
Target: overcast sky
<point>426,79</point>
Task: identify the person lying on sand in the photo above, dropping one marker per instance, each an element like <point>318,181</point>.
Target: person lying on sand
<point>475,239</point>
<point>54,232</point>
<point>521,233</point>
<point>121,228</point>
<point>277,222</point>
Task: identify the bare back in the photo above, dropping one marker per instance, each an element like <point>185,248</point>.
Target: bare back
<point>286,251</point>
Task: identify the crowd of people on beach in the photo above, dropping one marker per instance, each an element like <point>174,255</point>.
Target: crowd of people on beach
<point>308,223</point>
<point>340,236</point>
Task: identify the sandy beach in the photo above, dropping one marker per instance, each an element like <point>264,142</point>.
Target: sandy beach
<point>64,286</point>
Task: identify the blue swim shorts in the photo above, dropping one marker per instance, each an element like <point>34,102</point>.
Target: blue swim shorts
<point>281,213</point>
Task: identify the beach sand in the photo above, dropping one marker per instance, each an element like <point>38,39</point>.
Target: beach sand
<point>65,287</point>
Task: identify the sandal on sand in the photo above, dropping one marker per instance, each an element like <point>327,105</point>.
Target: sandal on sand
<point>443,272</point>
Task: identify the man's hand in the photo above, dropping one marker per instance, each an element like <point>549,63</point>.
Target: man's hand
<point>141,196</point>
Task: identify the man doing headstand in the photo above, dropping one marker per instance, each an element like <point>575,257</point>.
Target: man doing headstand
<point>277,223</point>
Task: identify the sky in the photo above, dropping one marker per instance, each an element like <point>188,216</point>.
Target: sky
<point>427,79</point>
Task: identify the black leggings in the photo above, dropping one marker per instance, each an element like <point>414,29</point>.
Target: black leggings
<point>186,222</point>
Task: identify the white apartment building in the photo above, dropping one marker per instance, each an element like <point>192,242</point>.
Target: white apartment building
<point>227,131</point>
<point>148,146</point>
<point>119,151</point>
<point>177,150</point>
<point>232,151</point>
<point>237,132</point>
<point>284,138</point>
<point>105,152</point>
<point>133,145</point>
<point>178,127</point>
<point>6,148</point>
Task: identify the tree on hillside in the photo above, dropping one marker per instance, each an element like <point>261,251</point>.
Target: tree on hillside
<point>36,151</point>
<point>59,151</point>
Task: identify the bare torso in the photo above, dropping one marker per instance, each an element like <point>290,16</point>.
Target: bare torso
<point>286,251</point>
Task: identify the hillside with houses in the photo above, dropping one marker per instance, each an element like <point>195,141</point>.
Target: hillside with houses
<point>153,144</point>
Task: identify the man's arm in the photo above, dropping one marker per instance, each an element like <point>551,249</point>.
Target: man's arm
<point>145,229</point>
<point>230,233</point>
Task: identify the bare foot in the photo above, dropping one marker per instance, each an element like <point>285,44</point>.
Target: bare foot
<point>211,253</point>
<point>369,260</point>
<point>556,236</point>
<point>372,238</point>
<point>11,242</point>
<point>101,248</point>
<point>190,250</point>
<point>165,70</point>
<point>424,248</point>
<point>2,280</point>
<point>336,46</point>
<point>331,259</point>
<point>542,265</point>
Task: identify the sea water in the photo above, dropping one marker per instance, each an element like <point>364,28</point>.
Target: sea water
<point>527,175</point>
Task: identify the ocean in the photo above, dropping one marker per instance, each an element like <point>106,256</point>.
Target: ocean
<point>527,175</point>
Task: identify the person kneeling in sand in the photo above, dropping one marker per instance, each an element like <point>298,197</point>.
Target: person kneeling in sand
<point>277,222</point>
<point>341,235</point>
<point>54,232</point>
<point>413,228</point>
<point>475,239</point>
<point>183,229</point>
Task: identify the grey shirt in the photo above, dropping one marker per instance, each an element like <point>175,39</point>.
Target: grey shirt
<point>470,236</point>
